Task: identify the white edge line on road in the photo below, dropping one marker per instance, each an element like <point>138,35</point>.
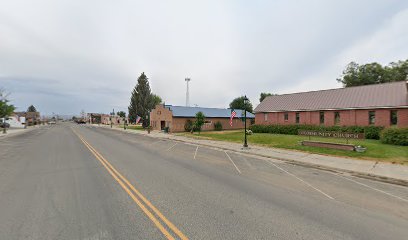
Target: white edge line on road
<point>232,162</point>
<point>172,146</point>
<point>308,184</point>
<point>195,154</point>
<point>373,188</point>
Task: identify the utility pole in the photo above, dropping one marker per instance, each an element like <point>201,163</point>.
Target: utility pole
<point>187,92</point>
<point>111,119</point>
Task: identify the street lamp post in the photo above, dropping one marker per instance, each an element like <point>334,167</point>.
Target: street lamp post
<point>245,121</point>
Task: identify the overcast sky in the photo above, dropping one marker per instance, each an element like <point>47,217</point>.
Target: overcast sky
<point>65,56</point>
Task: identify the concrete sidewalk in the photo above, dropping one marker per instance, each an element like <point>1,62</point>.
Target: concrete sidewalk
<point>387,172</point>
<point>17,131</point>
<point>13,131</point>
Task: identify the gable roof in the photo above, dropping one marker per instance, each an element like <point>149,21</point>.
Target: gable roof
<point>394,94</point>
<point>180,111</point>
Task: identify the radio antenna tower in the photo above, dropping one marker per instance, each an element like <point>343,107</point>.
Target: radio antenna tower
<point>187,93</point>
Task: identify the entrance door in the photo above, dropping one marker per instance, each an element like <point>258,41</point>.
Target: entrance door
<point>162,125</point>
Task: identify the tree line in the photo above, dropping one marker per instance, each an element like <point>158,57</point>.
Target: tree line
<point>373,73</point>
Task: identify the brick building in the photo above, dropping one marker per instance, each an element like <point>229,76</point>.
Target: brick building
<point>174,117</point>
<point>31,118</point>
<point>100,118</point>
<point>379,105</point>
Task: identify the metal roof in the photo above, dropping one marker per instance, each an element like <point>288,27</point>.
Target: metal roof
<point>180,111</point>
<point>394,94</point>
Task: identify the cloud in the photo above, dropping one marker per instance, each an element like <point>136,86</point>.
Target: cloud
<point>385,45</point>
<point>71,55</point>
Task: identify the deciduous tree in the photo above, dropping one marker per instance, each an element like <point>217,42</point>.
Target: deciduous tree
<point>6,109</point>
<point>155,100</point>
<point>121,114</point>
<point>199,121</point>
<point>373,73</point>
<point>264,95</point>
<point>239,103</point>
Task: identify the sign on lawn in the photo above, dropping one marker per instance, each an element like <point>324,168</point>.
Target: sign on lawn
<point>331,134</point>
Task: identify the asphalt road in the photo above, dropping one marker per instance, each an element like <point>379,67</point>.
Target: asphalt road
<point>79,182</point>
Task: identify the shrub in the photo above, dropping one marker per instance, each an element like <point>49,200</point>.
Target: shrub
<point>371,132</point>
<point>199,122</point>
<point>188,125</point>
<point>218,126</point>
<point>396,136</point>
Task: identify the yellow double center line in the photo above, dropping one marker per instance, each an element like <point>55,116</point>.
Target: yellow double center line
<point>147,207</point>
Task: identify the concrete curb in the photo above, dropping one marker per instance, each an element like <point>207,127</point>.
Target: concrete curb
<point>310,165</point>
<point>375,177</point>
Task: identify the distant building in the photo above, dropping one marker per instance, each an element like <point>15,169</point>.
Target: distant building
<point>378,105</point>
<point>95,118</point>
<point>105,119</point>
<point>100,118</point>
<point>31,118</point>
<point>175,117</point>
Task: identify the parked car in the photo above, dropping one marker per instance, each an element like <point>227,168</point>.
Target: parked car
<point>11,122</point>
<point>4,124</point>
<point>80,121</point>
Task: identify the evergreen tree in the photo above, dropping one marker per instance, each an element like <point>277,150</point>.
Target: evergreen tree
<point>141,100</point>
<point>31,108</point>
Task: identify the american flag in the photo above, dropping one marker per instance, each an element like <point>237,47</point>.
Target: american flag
<point>137,119</point>
<point>233,113</point>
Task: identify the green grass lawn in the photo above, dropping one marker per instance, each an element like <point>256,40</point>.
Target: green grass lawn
<point>132,127</point>
<point>375,149</point>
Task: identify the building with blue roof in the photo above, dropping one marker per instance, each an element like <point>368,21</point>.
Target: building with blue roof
<point>175,117</point>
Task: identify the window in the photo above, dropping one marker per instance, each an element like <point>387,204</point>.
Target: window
<point>286,116</point>
<point>394,117</point>
<point>371,117</point>
<point>265,117</point>
<point>321,117</point>
<point>336,118</point>
<point>297,117</point>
